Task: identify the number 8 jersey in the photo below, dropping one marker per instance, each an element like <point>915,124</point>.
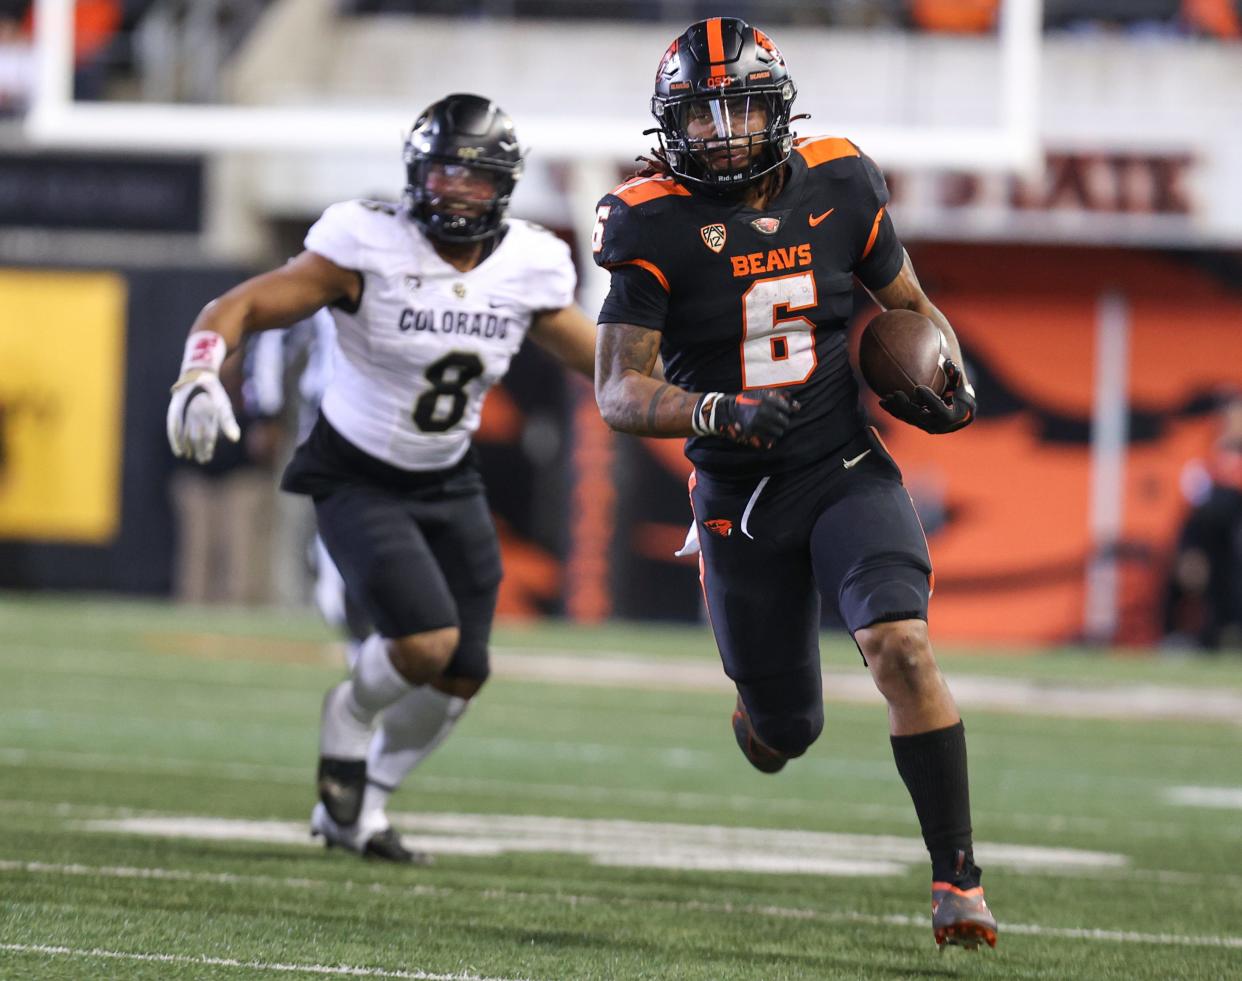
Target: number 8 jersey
<point>415,358</point>
<point>751,299</point>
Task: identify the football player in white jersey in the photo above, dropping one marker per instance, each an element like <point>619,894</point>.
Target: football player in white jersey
<point>432,300</point>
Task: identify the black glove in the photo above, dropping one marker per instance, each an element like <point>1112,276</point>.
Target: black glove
<point>758,418</point>
<point>931,412</point>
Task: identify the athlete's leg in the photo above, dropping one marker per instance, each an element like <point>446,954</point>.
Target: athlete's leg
<point>462,538</point>
<point>871,558</point>
<point>413,727</point>
<point>385,560</point>
<point>764,612</point>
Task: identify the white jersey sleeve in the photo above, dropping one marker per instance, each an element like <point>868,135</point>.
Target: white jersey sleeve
<point>335,236</point>
<point>553,279</point>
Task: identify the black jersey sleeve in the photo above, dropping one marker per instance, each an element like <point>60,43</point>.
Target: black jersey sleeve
<point>881,254</point>
<point>635,297</point>
<point>625,242</point>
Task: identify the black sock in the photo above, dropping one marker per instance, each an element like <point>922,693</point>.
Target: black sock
<point>933,766</point>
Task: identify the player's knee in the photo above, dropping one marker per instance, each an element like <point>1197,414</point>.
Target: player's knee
<point>459,687</point>
<point>421,658</point>
<point>898,652</point>
<point>791,734</point>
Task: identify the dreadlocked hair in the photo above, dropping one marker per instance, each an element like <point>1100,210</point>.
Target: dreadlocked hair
<point>655,164</point>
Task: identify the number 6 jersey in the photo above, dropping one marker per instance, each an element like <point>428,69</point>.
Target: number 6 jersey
<point>415,359</point>
<point>755,299</point>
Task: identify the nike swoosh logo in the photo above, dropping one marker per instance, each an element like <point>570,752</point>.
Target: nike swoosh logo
<point>816,219</point>
<point>849,464</point>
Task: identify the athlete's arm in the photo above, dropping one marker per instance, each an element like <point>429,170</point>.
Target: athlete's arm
<point>632,401</point>
<point>200,409</point>
<point>569,334</point>
<point>905,293</point>
<point>933,414</point>
<point>279,298</point>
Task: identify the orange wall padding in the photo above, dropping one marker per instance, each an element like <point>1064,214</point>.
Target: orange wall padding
<point>1010,562</point>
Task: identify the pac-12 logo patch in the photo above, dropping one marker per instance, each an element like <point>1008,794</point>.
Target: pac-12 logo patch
<point>713,236</point>
<point>719,526</point>
<point>766,226</point>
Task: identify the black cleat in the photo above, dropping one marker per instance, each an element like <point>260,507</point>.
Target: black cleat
<point>341,783</point>
<point>382,843</point>
<point>761,757</point>
<point>386,846</point>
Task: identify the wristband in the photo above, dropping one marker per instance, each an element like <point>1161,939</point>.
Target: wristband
<point>205,350</point>
<point>703,422</point>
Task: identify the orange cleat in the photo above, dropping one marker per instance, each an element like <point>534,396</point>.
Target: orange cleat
<point>960,917</point>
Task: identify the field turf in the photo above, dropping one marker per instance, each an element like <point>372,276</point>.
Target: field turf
<point>156,772</point>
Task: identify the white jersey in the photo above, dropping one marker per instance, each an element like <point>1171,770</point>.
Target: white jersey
<point>414,362</point>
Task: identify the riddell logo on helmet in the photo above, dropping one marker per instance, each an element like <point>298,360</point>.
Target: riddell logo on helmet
<point>719,526</point>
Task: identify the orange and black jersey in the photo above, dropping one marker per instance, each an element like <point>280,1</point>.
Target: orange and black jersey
<point>750,299</point>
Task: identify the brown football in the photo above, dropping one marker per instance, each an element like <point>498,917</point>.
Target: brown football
<point>899,351</point>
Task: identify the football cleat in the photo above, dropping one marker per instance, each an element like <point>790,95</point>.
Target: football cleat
<point>960,917</point>
<point>370,837</point>
<point>341,784</point>
<point>761,757</point>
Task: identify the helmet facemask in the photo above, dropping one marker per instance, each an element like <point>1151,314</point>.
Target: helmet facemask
<point>462,161</point>
<point>727,140</point>
<point>458,201</point>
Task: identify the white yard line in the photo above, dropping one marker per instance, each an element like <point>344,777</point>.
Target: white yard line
<point>632,844</point>
<point>337,970</point>
<point>1226,798</point>
<point>576,793</point>
<point>1017,696</point>
<point>573,900</point>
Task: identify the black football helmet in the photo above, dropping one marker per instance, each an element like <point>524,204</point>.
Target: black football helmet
<point>469,131</point>
<point>722,100</point>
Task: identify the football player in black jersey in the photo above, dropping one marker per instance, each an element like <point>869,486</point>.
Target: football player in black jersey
<point>733,257</point>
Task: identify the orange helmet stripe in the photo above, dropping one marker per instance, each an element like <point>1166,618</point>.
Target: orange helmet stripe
<point>715,47</point>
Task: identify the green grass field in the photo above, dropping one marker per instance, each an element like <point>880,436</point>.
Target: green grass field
<point>156,773</point>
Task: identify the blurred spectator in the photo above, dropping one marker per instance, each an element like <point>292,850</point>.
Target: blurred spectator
<point>1204,600</point>
<point>1207,18</point>
<point>956,16</point>
<point>16,58</point>
<point>224,514</point>
<point>95,26</point>
<point>1213,18</point>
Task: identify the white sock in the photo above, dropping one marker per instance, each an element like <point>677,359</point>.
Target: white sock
<point>376,681</point>
<point>410,730</point>
<point>350,708</point>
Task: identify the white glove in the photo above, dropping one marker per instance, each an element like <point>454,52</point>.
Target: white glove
<point>200,408</point>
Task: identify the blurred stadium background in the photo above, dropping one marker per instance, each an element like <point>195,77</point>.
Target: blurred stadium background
<point>1065,176</point>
